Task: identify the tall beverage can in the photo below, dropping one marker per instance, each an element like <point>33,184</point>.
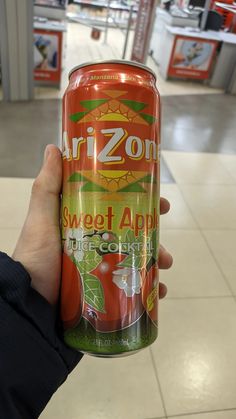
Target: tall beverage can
<point>110,208</point>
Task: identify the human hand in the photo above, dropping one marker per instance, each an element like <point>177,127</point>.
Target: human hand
<point>39,245</point>
<point>165,259</point>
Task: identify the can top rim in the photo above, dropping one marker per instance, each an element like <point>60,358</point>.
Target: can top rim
<point>125,62</point>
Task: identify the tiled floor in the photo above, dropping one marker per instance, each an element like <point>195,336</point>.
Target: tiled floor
<point>25,130</point>
<point>191,367</point>
<point>190,123</point>
<point>208,121</point>
<point>190,372</point>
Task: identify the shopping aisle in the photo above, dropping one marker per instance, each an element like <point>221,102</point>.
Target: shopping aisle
<point>191,368</point>
<point>82,48</point>
<point>189,373</point>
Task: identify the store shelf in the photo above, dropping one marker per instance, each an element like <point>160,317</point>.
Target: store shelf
<point>51,9</point>
<point>115,14</point>
<point>50,25</point>
<point>114,5</point>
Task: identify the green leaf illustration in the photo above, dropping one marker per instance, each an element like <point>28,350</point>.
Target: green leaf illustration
<point>90,261</point>
<point>92,187</point>
<point>133,261</point>
<point>77,177</point>
<point>155,244</point>
<point>93,104</point>
<point>150,119</point>
<point>77,116</point>
<point>136,106</point>
<point>148,179</point>
<point>93,292</point>
<point>96,240</point>
<point>129,237</point>
<point>133,187</point>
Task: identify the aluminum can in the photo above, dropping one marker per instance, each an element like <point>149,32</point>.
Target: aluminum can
<point>110,208</point>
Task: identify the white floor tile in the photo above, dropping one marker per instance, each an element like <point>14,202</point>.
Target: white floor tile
<point>194,272</point>
<point>213,206</point>
<point>15,195</point>
<point>179,215</point>
<point>225,414</point>
<point>8,240</point>
<point>229,161</point>
<point>195,354</point>
<point>222,244</point>
<point>198,168</point>
<point>108,389</point>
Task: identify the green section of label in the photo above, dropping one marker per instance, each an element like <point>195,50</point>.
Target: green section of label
<point>150,119</point>
<point>133,187</point>
<point>77,116</point>
<point>137,336</point>
<point>77,177</point>
<point>112,237</point>
<point>148,179</point>
<point>92,187</point>
<point>97,211</point>
<point>93,292</point>
<point>93,104</point>
<point>136,106</point>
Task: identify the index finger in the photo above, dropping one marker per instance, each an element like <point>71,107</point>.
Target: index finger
<point>164,205</point>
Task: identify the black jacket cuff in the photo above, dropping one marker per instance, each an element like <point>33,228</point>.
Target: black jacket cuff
<point>34,361</point>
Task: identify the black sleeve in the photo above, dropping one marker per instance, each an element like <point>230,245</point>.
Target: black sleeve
<point>34,361</point>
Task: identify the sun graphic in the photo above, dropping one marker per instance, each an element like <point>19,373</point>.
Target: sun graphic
<point>113,108</point>
<point>116,179</point>
<point>112,180</point>
<point>113,116</point>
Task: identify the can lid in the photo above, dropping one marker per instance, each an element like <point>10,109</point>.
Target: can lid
<point>125,62</point>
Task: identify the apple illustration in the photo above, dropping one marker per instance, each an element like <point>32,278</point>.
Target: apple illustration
<point>71,293</point>
<point>122,295</point>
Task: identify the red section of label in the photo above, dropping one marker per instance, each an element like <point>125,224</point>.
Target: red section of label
<point>111,146</point>
<point>111,130</point>
<point>110,208</point>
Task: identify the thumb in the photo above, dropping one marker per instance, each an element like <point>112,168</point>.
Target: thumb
<point>44,203</point>
<point>39,244</point>
<point>51,171</point>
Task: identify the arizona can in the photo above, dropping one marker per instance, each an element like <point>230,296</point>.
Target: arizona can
<point>110,208</point>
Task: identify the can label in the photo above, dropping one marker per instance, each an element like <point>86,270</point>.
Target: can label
<point>110,221</point>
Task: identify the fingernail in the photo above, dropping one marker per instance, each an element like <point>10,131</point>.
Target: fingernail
<point>46,153</point>
<point>163,248</point>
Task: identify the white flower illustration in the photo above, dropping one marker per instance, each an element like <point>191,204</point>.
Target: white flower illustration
<point>72,246</point>
<point>127,279</point>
